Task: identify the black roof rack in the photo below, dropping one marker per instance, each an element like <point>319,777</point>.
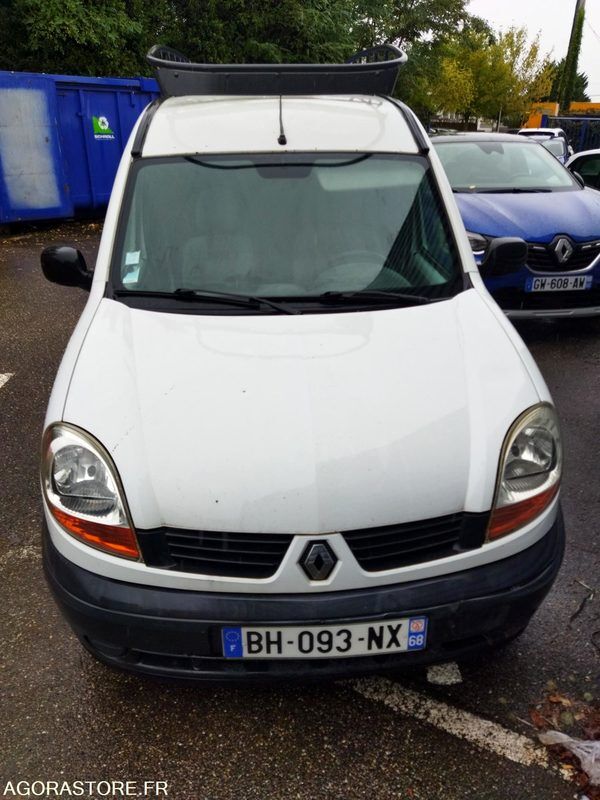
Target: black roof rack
<point>372,71</point>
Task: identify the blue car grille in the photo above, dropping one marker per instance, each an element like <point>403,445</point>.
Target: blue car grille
<point>542,258</point>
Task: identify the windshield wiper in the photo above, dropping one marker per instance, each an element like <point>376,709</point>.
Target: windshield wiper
<point>242,299</point>
<point>246,300</point>
<point>513,190</point>
<point>377,294</point>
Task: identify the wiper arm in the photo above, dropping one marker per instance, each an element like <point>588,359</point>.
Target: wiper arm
<point>246,300</point>
<point>241,299</point>
<point>376,294</point>
<point>514,190</point>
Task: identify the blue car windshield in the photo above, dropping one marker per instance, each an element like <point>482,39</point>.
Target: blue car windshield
<point>501,166</point>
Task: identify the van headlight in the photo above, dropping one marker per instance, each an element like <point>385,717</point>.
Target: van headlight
<point>529,472</point>
<point>83,491</point>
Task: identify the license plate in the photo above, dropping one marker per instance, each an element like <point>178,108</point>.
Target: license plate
<point>326,641</point>
<point>559,283</point>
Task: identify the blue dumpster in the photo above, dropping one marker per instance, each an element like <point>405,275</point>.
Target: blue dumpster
<point>61,138</point>
<point>583,132</point>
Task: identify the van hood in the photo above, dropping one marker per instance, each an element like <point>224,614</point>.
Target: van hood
<point>300,424</point>
<point>534,217</point>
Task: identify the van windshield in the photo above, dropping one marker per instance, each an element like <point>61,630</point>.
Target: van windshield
<point>286,226</point>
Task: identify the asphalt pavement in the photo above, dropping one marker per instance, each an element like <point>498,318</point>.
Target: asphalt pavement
<point>66,718</point>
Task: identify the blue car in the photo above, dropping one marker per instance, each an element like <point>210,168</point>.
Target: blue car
<point>509,185</point>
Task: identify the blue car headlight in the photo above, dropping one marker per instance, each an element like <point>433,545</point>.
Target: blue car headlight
<point>479,243</point>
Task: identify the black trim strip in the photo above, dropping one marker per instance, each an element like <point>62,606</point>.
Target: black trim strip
<point>140,136</point>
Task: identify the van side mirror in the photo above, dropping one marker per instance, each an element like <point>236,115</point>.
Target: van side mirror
<point>505,255</point>
<point>66,266</point>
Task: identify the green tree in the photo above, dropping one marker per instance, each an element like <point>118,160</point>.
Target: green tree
<point>457,85</point>
<point>407,21</point>
<point>419,79</point>
<point>567,84</point>
<point>111,37</point>
<point>482,74</point>
<point>72,36</point>
<point>580,85</point>
<point>424,82</point>
<point>477,53</point>
<point>532,72</point>
<point>253,31</point>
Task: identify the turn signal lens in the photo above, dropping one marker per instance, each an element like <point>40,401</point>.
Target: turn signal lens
<point>510,518</point>
<point>112,539</point>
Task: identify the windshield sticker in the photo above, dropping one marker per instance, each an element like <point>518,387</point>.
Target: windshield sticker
<point>131,276</point>
<point>132,258</point>
<point>102,129</point>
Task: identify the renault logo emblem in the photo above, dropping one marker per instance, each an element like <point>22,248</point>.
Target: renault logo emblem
<point>563,250</point>
<point>318,561</point>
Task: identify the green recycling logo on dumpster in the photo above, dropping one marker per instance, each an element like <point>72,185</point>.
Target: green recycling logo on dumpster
<point>102,128</point>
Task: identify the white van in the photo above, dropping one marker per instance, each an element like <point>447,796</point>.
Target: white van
<point>292,434</point>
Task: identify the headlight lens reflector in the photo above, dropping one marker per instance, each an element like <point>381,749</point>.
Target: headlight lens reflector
<point>83,492</point>
<point>83,483</point>
<point>479,243</point>
<point>530,470</point>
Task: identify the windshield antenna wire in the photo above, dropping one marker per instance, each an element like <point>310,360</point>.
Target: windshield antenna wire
<point>282,137</point>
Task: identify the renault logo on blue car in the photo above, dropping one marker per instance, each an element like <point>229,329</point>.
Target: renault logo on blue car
<point>563,250</point>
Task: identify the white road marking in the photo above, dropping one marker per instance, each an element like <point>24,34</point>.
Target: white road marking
<point>444,674</point>
<point>4,377</point>
<point>480,732</point>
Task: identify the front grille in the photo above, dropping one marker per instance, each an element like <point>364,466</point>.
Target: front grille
<point>258,555</point>
<point>235,555</point>
<point>542,258</point>
<point>518,300</point>
<point>395,546</point>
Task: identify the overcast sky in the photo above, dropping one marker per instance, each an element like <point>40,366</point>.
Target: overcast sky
<point>553,19</point>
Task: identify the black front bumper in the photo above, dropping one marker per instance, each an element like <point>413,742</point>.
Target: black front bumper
<point>516,299</point>
<point>177,633</point>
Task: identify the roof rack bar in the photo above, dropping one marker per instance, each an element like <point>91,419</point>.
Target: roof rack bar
<point>372,72</point>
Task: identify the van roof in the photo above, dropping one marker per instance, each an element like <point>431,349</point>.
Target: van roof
<point>226,124</point>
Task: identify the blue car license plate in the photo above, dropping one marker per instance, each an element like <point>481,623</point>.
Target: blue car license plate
<point>558,283</point>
